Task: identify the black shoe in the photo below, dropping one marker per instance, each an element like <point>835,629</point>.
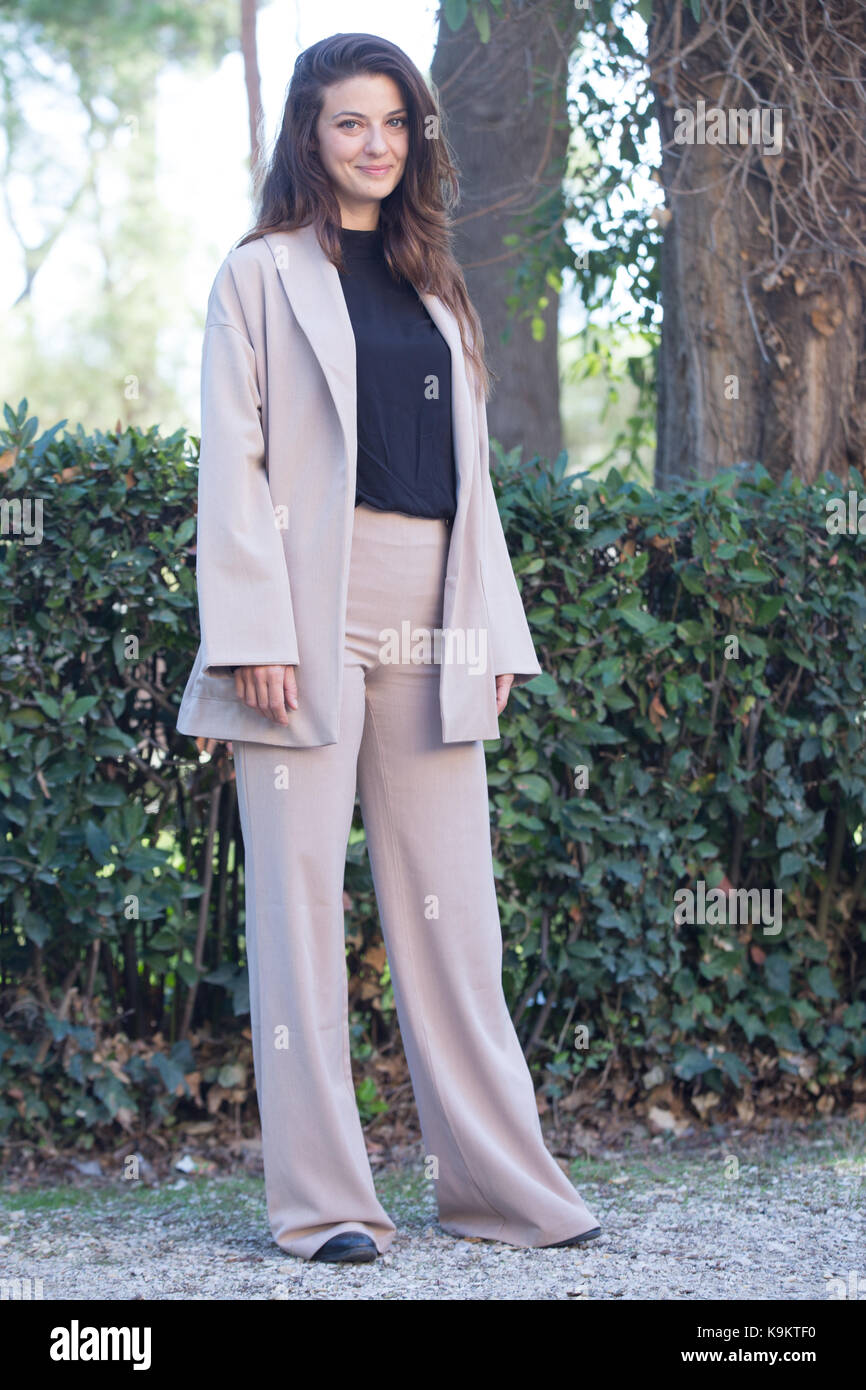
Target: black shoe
<point>575,1240</point>
<point>349,1247</point>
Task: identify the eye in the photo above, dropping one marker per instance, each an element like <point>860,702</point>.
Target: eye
<point>350,121</point>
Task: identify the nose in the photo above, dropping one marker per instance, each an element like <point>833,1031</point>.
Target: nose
<point>376,143</point>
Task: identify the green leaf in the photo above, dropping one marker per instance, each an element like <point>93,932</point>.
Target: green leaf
<point>26,718</point>
<point>169,1071</point>
<point>734,1068</point>
<point>821,982</point>
<point>606,535</point>
<point>107,794</point>
<point>47,703</point>
<point>750,575</point>
<point>693,580</point>
<point>777,970</point>
<point>165,940</point>
<point>769,608</point>
<point>97,842</point>
<point>638,619</point>
<point>693,1063</point>
<point>790,864</point>
<point>536,788</point>
<point>482,23</point>
<point>455,13</point>
<point>113,1094</point>
<point>81,706</point>
<point>544,684</point>
<point>37,931</point>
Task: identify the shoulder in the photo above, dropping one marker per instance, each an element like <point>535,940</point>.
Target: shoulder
<point>238,273</point>
<point>245,275</point>
<point>247,262</point>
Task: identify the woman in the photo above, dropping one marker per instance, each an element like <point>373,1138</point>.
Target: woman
<point>361,626</point>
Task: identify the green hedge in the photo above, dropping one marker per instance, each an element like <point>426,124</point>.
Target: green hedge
<point>701,765</point>
<point>122,974</point>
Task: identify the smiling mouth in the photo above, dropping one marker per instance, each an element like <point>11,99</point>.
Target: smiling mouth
<point>374,168</point>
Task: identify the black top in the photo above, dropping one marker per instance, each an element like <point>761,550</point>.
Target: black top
<point>405,449</point>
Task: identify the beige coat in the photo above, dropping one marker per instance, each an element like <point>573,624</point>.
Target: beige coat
<point>276,497</point>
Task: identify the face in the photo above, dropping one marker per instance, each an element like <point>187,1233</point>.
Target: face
<point>363,143</point>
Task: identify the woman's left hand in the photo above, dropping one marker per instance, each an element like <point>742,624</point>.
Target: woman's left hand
<point>503,685</point>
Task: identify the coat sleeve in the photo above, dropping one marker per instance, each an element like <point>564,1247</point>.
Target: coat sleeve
<point>508,630</point>
<point>244,594</point>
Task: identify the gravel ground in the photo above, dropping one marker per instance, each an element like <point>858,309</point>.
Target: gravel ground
<point>741,1218</point>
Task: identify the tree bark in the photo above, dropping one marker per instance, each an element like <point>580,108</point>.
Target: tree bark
<point>505,117</point>
<point>251,75</point>
<point>762,266</point>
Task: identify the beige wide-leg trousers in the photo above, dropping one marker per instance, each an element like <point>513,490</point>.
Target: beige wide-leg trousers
<point>425,809</point>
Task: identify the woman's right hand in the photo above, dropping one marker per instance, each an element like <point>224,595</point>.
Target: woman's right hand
<point>269,689</point>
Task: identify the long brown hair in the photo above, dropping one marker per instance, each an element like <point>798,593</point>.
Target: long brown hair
<point>294,187</point>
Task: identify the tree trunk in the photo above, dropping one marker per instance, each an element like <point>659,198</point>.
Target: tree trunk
<point>251,75</point>
<point>762,267</point>
<point>505,118</point>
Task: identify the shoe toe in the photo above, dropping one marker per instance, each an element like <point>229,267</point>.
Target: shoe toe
<point>576,1240</point>
<point>349,1246</point>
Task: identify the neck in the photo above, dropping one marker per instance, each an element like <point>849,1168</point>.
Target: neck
<point>360,219</point>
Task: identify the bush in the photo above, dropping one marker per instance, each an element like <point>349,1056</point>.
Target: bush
<point>745,769</point>
<point>121,896</point>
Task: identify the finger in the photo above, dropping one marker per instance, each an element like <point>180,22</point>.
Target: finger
<point>248,694</point>
<point>276,696</point>
<point>503,687</point>
<point>263,699</point>
<point>290,687</point>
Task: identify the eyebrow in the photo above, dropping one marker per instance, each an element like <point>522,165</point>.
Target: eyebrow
<point>362,115</point>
